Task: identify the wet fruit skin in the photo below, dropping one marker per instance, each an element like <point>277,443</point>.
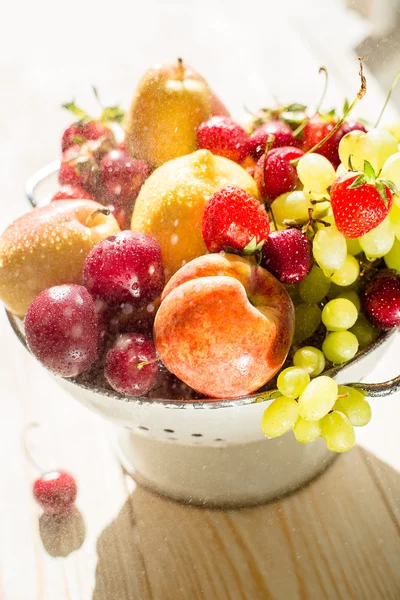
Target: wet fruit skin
<point>318,128</point>
<point>357,211</point>
<point>62,329</point>
<point>283,136</point>
<point>123,370</point>
<point>77,132</point>
<point>126,267</point>
<point>274,174</point>
<point>122,176</point>
<point>71,192</point>
<point>221,135</point>
<point>55,492</point>
<point>232,218</point>
<point>287,254</point>
<point>381,299</point>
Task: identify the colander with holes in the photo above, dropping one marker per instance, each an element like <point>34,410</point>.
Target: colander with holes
<point>204,451</point>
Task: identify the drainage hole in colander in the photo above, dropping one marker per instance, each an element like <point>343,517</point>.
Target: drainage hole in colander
<point>143,428</point>
<point>197,435</point>
<point>170,431</point>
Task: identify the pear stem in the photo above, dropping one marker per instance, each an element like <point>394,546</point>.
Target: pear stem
<point>181,71</point>
<point>395,80</point>
<point>359,96</point>
<point>93,215</point>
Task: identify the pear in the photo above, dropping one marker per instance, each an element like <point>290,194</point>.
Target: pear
<point>170,103</point>
<point>47,247</point>
<point>171,202</point>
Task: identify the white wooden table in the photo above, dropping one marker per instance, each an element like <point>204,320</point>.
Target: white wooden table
<point>337,538</point>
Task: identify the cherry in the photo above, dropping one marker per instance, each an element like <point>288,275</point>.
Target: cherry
<point>283,136</point>
<point>122,176</point>
<point>126,267</point>
<point>71,192</point>
<point>222,136</point>
<point>55,492</point>
<point>381,299</point>
<point>62,329</point>
<point>123,369</point>
<point>287,254</point>
<point>123,214</point>
<point>274,174</point>
<point>318,128</point>
<point>79,133</point>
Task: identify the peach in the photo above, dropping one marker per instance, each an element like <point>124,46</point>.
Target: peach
<point>47,247</point>
<point>224,326</point>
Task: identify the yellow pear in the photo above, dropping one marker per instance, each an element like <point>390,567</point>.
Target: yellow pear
<point>47,247</point>
<point>170,204</point>
<point>170,103</point>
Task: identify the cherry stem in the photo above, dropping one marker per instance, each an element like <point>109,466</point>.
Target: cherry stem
<point>360,94</point>
<point>27,451</point>
<point>144,363</point>
<point>342,396</point>
<point>304,123</point>
<point>98,211</point>
<point>395,80</point>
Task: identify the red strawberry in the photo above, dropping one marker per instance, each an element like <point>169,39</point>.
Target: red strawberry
<point>79,168</point>
<point>232,219</point>
<point>79,133</point>
<point>71,192</point>
<point>360,202</point>
<point>283,136</point>
<point>222,136</point>
<point>274,174</point>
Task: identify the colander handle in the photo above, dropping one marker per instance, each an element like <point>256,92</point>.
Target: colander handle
<point>376,390</point>
<point>38,177</point>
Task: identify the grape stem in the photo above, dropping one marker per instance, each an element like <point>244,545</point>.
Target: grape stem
<point>360,94</point>
<point>395,80</point>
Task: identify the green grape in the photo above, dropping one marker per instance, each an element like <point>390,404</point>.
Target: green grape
<point>341,170</point>
<point>353,246</point>
<point>318,398</point>
<point>315,286</point>
<point>353,297</point>
<point>294,206</point>
<point>339,314</point>
<point>392,258</point>
<point>340,346</point>
<point>293,291</point>
<point>307,319</point>
<point>348,273</point>
<point>315,172</point>
<point>310,359</point>
<point>338,432</point>
<point>354,406</point>
<point>364,331</point>
<point>394,217</point>
<point>279,417</point>
<point>394,129</point>
<point>391,169</point>
<point>306,431</point>
<point>293,381</point>
<point>378,241</point>
<point>329,249</point>
<point>375,146</point>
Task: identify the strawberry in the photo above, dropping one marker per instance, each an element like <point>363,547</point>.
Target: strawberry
<point>79,168</point>
<point>71,192</point>
<point>222,136</point>
<point>233,219</point>
<point>274,174</point>
<point>360,201</point>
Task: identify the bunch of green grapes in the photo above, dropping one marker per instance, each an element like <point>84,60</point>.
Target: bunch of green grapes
<point>316,407</point>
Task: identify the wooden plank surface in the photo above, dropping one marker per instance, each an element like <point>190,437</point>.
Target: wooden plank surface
<point>337,538</point>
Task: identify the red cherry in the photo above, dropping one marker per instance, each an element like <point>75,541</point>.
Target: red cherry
<point>122,176</point>
<point>283,136</point>
<point>232,218</point>
<point>62,329</point>
<point>287,254</point>
<point>55,492</point>
<point>126,267</point>
<point>358,210</point>
<point>274,174</point>
<point>222,136</point>
<point>381,299</point>
<point>79,133</point>
<point>123,370</point>
<point>318,128</point>
<point>71,192</point>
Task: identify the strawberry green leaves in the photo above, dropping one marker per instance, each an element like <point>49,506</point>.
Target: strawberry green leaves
<point>368,177</point>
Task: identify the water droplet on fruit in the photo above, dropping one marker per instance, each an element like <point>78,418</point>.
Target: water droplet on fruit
<point>174,239</point>
<point>76,331</point>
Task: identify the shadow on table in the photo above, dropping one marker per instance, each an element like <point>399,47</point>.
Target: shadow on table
<point>287,549</point>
